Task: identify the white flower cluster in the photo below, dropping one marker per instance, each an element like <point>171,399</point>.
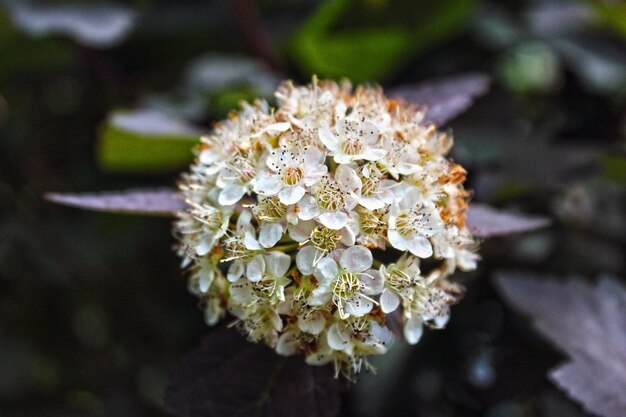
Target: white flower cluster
<point>308,223</point>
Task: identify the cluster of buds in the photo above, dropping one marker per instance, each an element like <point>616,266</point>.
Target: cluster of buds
<point>309,223</point>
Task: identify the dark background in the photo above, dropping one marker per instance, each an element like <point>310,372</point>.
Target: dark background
<point>94,311</point>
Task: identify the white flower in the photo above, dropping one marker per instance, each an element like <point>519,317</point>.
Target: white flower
<point>360,336</point>
<point>235,178</point>
<point>291,341</point>
<point>348,285</point>
<point>401,280</point>
<point>244,250</point>
<point>401,157</point>
<point>273,217</point>
<point>261,322</point>
<point>333,200</point>
<point>290,174</point>
<point>209,225</point>
<point>286,205</point>
<point>271,284</point>
<point>375,192</point>
<point>458,247</point>
<point>352,139</point>
<point>411,223</point>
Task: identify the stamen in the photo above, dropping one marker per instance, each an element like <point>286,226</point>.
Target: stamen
<point>372,223</point>
<point>235,249</point>
<point>243,167</point>
<point>409,223</point>
<point>330,196</point>
<point>270,209</point>
<point>352,146</point>
<point>325,239</point>
<point>346,286</point>
<point>291,175</point>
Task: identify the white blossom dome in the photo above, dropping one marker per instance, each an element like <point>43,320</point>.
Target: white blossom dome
<point>310,222</point>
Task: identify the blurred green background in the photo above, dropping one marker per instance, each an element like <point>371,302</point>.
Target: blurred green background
<point>94,312</point>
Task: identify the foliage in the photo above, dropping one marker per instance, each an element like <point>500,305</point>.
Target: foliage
<point>590,327</point>
<point>230,377</point>
<point>321,49</point>
<point>94,313</point>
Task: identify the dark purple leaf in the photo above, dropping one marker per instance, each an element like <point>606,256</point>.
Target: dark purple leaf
<point>445,98</point>
<point>482,220</point>
<point>227,376</point>
<point>161,201</point>
<point>485,221</point>
<point>586,321</point>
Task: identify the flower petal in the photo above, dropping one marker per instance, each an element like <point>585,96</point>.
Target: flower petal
<point>373,154</point>
<point>337,339</point>
<point>413,329</point>
<point>348,178</point>
<point>305,259</point>
<point>314,173</point>
<point>269,234</point>
<point>206,277</point>
<point>277,158</point>
<point>334,220</point>
<point>276,128</point>
<point>277,263</point>
<point>359,306</point>
<point>383,334</point>
<point>329,139</point>
<point>326,269</point>
<point>373,281</point>
<point>371,203</point>
<point>301,231</point>
<point>348,236</point>
<point>291,195</point>
<point>266,184</point>
<point>206,244</point>
<point>440,322</point>
<point>312,322</point>
<point>420,246</point>
<point>250,242</point>
<point>396,240</point>
<point>287,343</point>
<point>255,268</point>
<point>235,271</point>
<point>242,292</point>
<point>389,301</point>
<point>244,219</point>
<point>320,296</point>
<point>308,207</point>
<point>231,194</point>
<point>356,259</point>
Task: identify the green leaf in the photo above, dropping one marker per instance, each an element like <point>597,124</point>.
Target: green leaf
<point>29,55</point>
<point>365,53</point>
<point>613,14</point>
<point>614,167</point>
<point>145,141</point>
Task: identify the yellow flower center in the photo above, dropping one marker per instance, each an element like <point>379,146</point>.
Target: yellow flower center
<point>292,175</point>
<point>347,285</point>
<point>329,196</point>
<point>270,209</point>
<point>324,238</point>
<point>372,223</point>
<point>352,146</point>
